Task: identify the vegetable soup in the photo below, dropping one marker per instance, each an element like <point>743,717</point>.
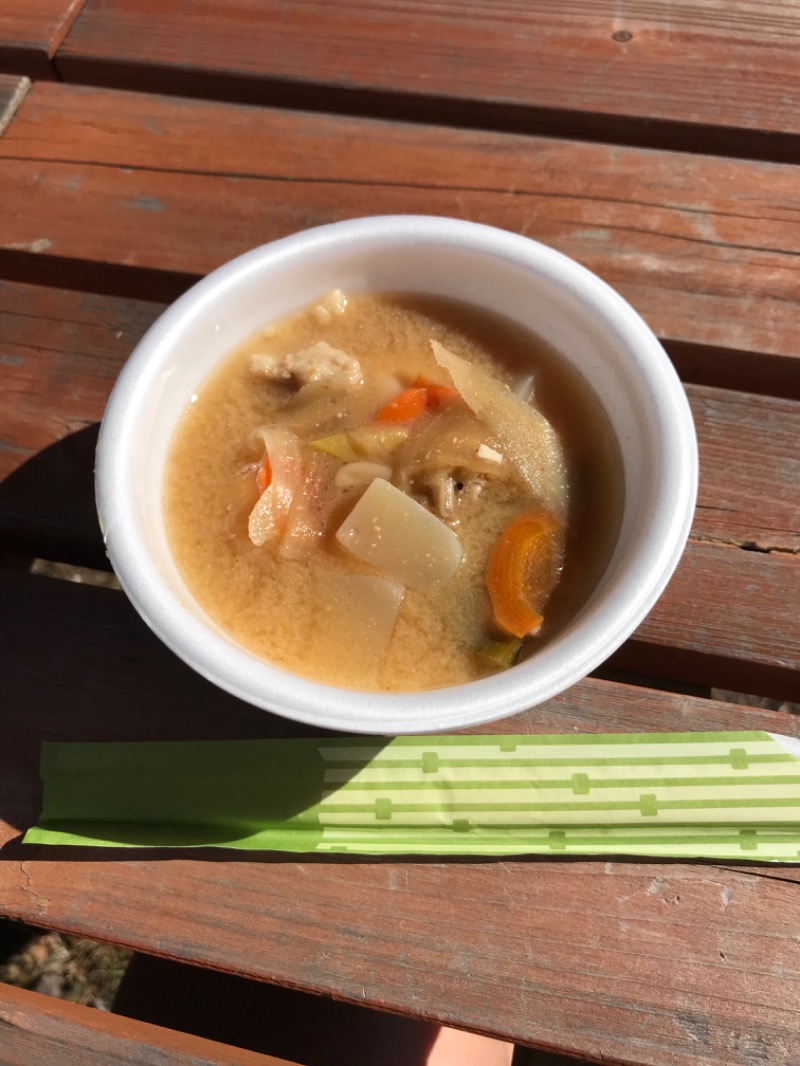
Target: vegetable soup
<point>389,492</point>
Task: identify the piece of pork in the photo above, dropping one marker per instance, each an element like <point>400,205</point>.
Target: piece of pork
<point>319,362</point>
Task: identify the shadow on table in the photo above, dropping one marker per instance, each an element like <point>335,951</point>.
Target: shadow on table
<point>77,661</point>
<point>47,505</point>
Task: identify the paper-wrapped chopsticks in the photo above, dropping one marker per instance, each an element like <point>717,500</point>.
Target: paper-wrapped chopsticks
<point>682,795</point>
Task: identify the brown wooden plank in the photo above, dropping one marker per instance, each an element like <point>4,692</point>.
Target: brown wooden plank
<point>624,962</point>
<point>652,965</point>
<point>39,1030</point>
<point>30,33</point>
<point>61,352</point>
<point>110,187</point>
<point>676,75</point>
<point>749,469</point>
<point>729,613</point>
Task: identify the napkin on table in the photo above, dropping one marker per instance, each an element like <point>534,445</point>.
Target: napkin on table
<point>733,795</point>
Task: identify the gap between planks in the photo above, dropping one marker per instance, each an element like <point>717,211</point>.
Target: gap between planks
<point>13,102</point>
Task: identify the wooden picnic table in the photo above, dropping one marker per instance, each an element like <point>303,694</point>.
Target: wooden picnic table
<point>143,143</point>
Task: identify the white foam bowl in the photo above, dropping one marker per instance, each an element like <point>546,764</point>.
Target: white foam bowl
<point>590,325</point>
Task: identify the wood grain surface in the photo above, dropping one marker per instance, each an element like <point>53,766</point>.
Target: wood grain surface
<point>30,33</point>
<point>652,964</point>
<point>37,1030</point>
<point>110,188</point>
<point>678,74</point>
<point>61,352</point>
<point>624,962</point>
<point>136,195</point>
<point>727,619</point>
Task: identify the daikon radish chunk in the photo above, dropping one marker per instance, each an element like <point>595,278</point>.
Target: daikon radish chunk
<point>355,622</point>
<point>399,537</point>
<point>527,439</point>
<point>269,516</point>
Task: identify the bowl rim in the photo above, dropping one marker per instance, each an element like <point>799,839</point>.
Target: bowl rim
<point>241,673</point>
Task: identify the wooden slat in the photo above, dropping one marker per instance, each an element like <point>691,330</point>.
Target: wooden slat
<point>624,962</point>
<point>646,964</point>
<point>749,469</point>
<point>62,351</point>
<point>30,33</point>
<point>37,1030</point>
<point>60,354</point>
<point>727,613</point>
<point>110,188</point>
<point>679,74</point>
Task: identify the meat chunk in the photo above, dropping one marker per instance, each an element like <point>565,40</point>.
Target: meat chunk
<point>316,363</point>
<point>335,303</point>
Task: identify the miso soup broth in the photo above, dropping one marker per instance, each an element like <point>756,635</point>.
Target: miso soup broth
<point>392,492</point>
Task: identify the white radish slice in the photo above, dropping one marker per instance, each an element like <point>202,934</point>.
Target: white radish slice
<point>526,437</point>
<point>269,516</point>
<point>356,620</point>
<point>399,537</point>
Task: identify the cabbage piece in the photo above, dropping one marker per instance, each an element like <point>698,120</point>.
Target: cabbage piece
<point>399,537</point>
<point>524,434</point>
<point>336,404</point>
<point>356,619</point>
<point>338,445</point>
<point>269,516</point>
<point>377,441</point>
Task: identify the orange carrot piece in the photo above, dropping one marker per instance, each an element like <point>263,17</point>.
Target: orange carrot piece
<point>410,403</point>
<point>523,570</point>
<point>440,396</point>
<point>264,475</point>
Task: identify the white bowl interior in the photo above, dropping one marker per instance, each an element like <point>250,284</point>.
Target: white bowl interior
<point>588,323</point>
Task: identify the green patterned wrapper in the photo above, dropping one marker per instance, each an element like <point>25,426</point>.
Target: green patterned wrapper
<point>680,795</point>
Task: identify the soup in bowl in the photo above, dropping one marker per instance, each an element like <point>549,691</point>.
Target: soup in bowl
<point>397,474</point>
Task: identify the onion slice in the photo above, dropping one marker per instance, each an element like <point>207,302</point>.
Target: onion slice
<point>527,439</point>
<point>269,516</point>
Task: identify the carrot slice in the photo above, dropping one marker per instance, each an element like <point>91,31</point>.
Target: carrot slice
<point>264,475</point>
<point>523,570</point>
<point>440,396</point>
<point>415,401</point>
<point>407,405</point>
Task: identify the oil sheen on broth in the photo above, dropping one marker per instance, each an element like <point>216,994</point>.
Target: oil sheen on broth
<point>416,523</point>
